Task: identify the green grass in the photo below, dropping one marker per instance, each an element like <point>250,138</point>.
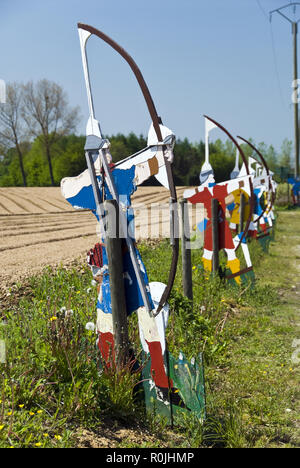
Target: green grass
<point>52,386</point>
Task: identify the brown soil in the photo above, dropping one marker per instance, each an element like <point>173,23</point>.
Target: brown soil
<point>113,434</point>
<point>39,228</point>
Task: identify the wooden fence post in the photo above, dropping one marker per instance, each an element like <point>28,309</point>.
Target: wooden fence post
<point>187,281</point>
<point>242,212</point>
<point>215,234</point>
<point>117,290</point>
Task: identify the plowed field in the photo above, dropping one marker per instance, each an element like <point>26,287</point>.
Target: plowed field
<point>38,227</point>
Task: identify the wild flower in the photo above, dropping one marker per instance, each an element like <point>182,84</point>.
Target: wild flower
<point>90,326</point>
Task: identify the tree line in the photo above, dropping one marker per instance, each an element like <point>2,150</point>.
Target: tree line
<point>38,144</point>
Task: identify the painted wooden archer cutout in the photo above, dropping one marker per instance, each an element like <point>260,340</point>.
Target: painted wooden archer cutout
<point>241,202</point>
<point>104,180</point>
<point>224,193</point>
<point>295,190</point>
<point>264,198</point>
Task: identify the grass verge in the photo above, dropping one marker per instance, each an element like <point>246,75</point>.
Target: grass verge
<point>53,394</point>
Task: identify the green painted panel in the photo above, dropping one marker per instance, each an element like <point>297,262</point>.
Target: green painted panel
<point>188,380</point>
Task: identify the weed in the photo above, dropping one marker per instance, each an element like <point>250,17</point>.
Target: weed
<point>53,381</point>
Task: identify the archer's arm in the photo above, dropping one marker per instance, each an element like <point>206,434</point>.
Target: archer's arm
<point>144,170</point>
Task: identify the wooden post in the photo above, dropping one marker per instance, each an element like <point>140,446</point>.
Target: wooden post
<point>215,234</point>
<point>117,290</point>
<point>242,212</point>
<point>187,281</point>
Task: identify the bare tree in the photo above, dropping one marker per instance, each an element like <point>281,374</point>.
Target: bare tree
<point>12,130</point>
<point>46,113</point>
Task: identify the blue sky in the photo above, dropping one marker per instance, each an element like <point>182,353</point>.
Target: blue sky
<point>213,57</point>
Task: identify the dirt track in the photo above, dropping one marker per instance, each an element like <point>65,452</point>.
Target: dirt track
<point>39,228</point>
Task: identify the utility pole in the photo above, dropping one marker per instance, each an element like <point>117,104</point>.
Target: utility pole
<point>295,82</point>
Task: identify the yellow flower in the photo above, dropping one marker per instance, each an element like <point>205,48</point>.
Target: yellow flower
<point>31,413</point>
<point>38,444</point>
<point>9,413</point>
<point>53,318</point>
<point>1,427</point>
<point>46,435</point>
<point>21,406</point>
<point>39,411</point>
<point>57,437</point>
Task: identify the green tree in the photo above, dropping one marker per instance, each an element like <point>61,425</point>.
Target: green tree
<point>70,159</point>
<point>286,154</point>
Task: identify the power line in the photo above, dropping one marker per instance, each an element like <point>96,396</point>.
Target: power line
<point>274,54</point>
<point>261,8</point>
<point>276,66</point>
<point>294,25</point>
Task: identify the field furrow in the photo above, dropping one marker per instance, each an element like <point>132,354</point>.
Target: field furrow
<point>38,227</point>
